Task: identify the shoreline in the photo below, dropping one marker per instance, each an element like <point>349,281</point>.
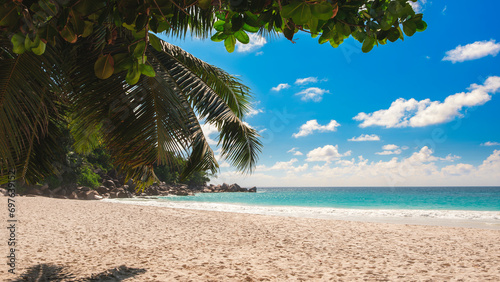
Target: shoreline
<point>76,240</point>
<point>451,218</point>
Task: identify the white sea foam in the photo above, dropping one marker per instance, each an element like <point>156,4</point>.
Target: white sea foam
<point>458,218</point>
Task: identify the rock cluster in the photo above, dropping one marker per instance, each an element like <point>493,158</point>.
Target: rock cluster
<point>113,188</point>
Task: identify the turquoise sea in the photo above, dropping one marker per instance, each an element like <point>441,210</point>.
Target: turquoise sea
<point>429,198</point>
<point>477,207</point>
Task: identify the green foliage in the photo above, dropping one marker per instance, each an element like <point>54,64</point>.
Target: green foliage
<point>104,66</point>
<point>197,178</point>
<point>140,126</point>
<point>101,159</point>
<point>86,177</point>
<point>54,181</point>
<point>140,97</point>
<point>167,174</point>
<point>31,24</point>
<point>74,168</point>
<point>171,174</point>
<point>78,169</point>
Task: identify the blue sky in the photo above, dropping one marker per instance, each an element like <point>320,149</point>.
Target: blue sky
<point>428,104</point>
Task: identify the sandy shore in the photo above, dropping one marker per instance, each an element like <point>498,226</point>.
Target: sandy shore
<point>71,240</point>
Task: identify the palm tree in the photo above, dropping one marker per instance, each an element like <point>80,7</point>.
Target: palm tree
<point>148,123</point>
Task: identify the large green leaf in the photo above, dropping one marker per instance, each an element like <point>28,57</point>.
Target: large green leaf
<point>229,43</point>
<point>298,11</point>
<point>242,37</point>
<point>104,66</point>
<point>409,28</point>
<point>18,40</point>
<point>368,44</point>
<point>322,10</point>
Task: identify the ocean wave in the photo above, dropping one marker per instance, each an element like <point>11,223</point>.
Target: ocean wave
<point>459,218</point>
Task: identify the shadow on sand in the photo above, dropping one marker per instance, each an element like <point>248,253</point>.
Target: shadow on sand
<point>49,272</point>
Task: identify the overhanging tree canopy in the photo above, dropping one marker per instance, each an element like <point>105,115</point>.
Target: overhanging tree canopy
<point>33,24</point>
<point>99,65</point>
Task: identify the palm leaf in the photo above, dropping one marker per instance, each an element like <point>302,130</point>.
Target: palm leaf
<point>220,99</point>
<point>150,123</point>
<point>29,112</point>
<point>196,21</point>
<point>141,125</point>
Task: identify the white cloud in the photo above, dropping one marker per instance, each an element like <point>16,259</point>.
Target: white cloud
<point>392,117</point>
<point>422,156</point>
<point>344,163</point>
<point>458,169</point>
<point>314,94</point>
<point>256,42</point>
<point>390,149</point>
<point>473,51</point>
<point>219,158</point>
<point>489,143</point>
<point>301,168</point>
<point>414,170</point>
<point>413,113</point>
<point>295,152</point>
<point>417,170</point>
<point>450,158</point>
<point>254,112</point>
<point>248,125</point>
<point>491,166</point>
<point>310,126</point>
<point>385,153</point>
<point>209,130</point>
<point>365,137</point>
<point>259,53</point>
<point>418,6</point>
<point>303,81</point>
<point>284,166</point>
<point>327,153</point>
<point>444,10</point>
<point>280,87</point>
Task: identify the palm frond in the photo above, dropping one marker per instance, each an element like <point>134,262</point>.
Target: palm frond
<point>235,95</point>
<point>29,112</point>
<point>219,98</point>
<point>150,123</point>
<point>196,21</point>
<point>142,125</point>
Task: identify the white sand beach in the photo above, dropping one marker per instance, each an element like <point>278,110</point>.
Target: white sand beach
<point>72,240</point>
